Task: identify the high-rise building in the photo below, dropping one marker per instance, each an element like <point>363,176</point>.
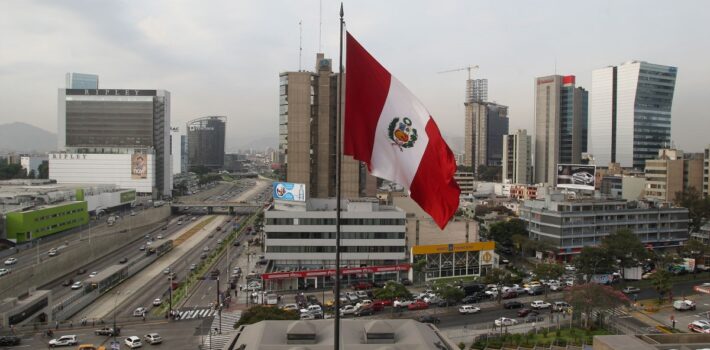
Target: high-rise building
<point>114,136</point>
<point>183,154</point>
<point>175,149</point>
<point>560,125</point>
<point>486,123</point>
<point>672,172</point>
<point>307,134</point>
<point>81,81</point>
<point>517,158</point>
<point>477,90</point>
<point>206,139</point>
<point>706,171</point>
<point>631,112</point>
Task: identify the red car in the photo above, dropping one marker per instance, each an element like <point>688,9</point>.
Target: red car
<point>509,295</point>
<point>418,305</point>
<point>362,285</point>
<point>376,307</point>
<point>384,302</point>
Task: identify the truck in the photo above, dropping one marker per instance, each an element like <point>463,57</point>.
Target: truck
<point>633,273</point>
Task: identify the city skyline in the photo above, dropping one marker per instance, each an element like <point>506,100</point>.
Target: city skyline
<point>224,60</point>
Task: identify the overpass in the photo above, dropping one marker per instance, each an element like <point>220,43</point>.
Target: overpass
<point>230,207</point>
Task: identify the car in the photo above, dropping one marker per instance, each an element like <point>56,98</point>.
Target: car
<point>470,299</point>
<point>352,297</point>
<point>509,295</point>
<point>9,340</point>
<point>172,276</point>
<point>583,178</point>
<point>292,307</point>
<point>123,260</point>
<point>347,310</point>
<point>4,272</point>
<point>362,294</point>
<point>468,309</point>
<point>363,303</point>
<point>76,285</point>
<point>133,342</point>
<point>203,256</point>
<point>93,274</point>
<point>133,213</point>
<point>142,247</point>
<point>429,319</point>
<point>513,304</point>
<point>366,311</point>
<point>524,312</point>
<point>236,243</point>
<point>406,282</point>
<point>157,302</point>
<point>52,252</point>
<point>685,304</point>
<point>65,340</point>
<point>108,331</point>
<point>630,290</point>
<point>402,303</point>
<point>160,236</point>
<point>699,327</point>
<point>11,261</point>
<point>362,285</point>
<point>418,305</point>
<point>536,290</point>
<point>540,304</point>
<point>504,321</point>
<point>560,306</point>
<point>206,249</point>
<point>166,271</point>
<point>307,316</point>
<point>139,312</point>
<point>193,267</point>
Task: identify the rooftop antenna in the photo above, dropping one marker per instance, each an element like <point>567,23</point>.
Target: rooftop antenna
<point>320,26</point>
<point>300,44</point>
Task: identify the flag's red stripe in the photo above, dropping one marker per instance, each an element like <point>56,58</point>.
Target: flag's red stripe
<point>434,187</point>
<point>367,84</point>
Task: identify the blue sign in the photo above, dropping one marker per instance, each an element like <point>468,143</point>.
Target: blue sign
<point>287,191</point>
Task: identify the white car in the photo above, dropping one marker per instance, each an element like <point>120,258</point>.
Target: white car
<point>307,316</point>
<point>93,274</point>
<point>4,272</point>
<point>539,304</point>
<point>65,340</point>
<point>402,303</point>
<point>347,310</point>
<point>363,303</point>
<point>312,309</point>
<point>468,309</point>
<point>570,268</point>
<point>153,338</point>
<point>11,261</point>
<point>292,307</point>
<point>52,252</point>
<point>504,321</point>
<point>157,302</point>
<point>139,312</point>
<point>76,285</point>
<point>133,342</point>
<point>699,327</point>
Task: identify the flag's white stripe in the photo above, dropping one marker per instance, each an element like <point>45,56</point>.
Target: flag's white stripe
<point>388,161</point>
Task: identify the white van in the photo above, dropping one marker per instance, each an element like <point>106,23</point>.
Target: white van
<point>685,304</point>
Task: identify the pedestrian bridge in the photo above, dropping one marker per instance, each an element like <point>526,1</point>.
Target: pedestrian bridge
<point>241,208</point>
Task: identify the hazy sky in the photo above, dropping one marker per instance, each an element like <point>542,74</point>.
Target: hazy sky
<point>224,57</point>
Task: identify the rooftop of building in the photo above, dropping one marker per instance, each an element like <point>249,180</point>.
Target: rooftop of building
<point>550,201</point>
<point>356,334</point>
<point>21,194</point>
<point>10,304</point>
<point>360,205</point>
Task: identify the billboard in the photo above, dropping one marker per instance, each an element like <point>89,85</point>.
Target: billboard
<point>580,177</point>
<point>139,166</point>
<point>287,191</point>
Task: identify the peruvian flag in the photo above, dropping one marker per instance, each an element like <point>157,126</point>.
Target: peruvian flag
<point>390,130</point>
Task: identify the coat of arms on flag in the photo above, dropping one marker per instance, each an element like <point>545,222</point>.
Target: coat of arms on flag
<point>402,134</point>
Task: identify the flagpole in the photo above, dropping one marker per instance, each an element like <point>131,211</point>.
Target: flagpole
<point>338,170</point>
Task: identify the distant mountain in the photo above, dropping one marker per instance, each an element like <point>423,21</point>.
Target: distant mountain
<point>25,138</point>
<point>259,143</point>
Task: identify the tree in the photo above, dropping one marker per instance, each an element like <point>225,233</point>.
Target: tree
<point>43,170</point>
<point>418,268</point>
<point>199,169</point>
<point>698,207</point>
<point>31,174</point>
<point>392,290</point>
<point>12,171</point>
<point>495,276</point>
<point>624,246</point>
<point>694,249</point>
<point>594,260</point>
<point>521,243</point>
<point>594,297</point>
<point>489,173</point>
<point>503,231</point>
<point>451,294</point>
<point>548,271</point>
<point>260,313</point>
<point>661,281</point>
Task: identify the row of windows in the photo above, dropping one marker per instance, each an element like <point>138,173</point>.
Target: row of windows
<point>45,217</point>
<point>331,235</point>
<point>61,225</point>
<point>324,221</point>
<point>331,249</point>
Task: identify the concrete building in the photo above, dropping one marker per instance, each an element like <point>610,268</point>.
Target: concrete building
<point>32,163</point>
<point>112,136</point>
<point>300,235</point>
<point>206,139</point>
<point>355,334</point>
<point>477,90</point>
<point>560,125</point>
<point>184,160</point>
<point>307,140</point>
<point>485,125</point>
<point>633,188</point>
<point>466,182</point>
<point>571,224</point>
<point>706,172</point>
<point>175,141</point>
<point>517,158</point>
<point>631,112</point>
<point>672,172</point>
<point>81,81</point>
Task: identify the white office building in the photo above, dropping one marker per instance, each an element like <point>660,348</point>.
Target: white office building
<point>631,112</point>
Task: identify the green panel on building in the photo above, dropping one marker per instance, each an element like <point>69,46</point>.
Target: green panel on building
<point>128,196</point>
<point>32,224</point>
<point>80,194</point>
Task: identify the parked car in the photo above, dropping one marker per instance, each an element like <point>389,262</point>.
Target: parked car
<point>504,321</point>
<point>512,304</point>
<point>540,304</point>
<point>365,311</point>
<point>429,319</point>
<point>469,299</point>
<point>9,340</point>
<point>560,306</point>
<point>631,290</point>
<point>468,309</point>
<point>524,312</point>
<point>418,305</point>
<point>68,282</point>
<point>347,310</point>
<point>361,285</point>
<point>406,282</point>
<point>65,340</point>
<point>509,295</point>
<point>402,303</point>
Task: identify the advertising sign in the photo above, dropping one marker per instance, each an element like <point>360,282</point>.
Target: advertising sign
<point>580,177</point>
<point>139,166</point>
<point>331,272</point>
<point>287,191</point>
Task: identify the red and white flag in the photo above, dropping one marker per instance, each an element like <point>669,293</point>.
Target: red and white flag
<point>390,130</point>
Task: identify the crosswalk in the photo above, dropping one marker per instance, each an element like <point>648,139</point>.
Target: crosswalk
<point>617,312</point>
<point>189,314</point>
<point>218,341</point>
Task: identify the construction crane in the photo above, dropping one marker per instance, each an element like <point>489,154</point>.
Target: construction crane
<point>468,68</point>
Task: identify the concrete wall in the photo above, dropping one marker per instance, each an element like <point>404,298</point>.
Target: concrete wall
<point>99,244</point>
